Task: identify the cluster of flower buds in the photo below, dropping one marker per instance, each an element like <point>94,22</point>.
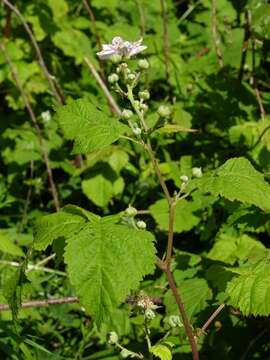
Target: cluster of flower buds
<point>174,321</point>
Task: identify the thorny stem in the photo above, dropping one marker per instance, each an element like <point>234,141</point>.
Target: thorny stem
<point>36,126</point>
<point>215,34</point>
<point>38,51</point>
<point>179,302</point>
<point>165,266</point>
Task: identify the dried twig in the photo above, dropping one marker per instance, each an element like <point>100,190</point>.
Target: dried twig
<point>166,43</point>
<point>41,62</point>
<point>215,35</point>
<point>35,124</point>
<point>142,17</point>
<point>44,303</point>
<point>115,108</point>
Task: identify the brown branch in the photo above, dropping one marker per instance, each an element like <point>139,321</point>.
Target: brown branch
<point>37,49</point>
<point>115,108</point>
<point>172,206</point>
<point>35,124</point>
<point>142,17</point>
<point>215,35</point>
<point>166,43</point>
<point>44,303</point>
<point>7,27</point>
<point>211,318</point>
<point>98,40</point>
<point>188,329</point>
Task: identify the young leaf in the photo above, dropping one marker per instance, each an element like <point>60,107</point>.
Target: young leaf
<point>237,180</point>
<point>250,292</point>
<point>90,128</point>
<point>161,351</point>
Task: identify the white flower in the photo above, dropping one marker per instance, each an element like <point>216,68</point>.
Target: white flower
<point>120,47</point>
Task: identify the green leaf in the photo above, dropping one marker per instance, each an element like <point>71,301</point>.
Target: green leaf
<point>194,292</point>
<point>185,217</point>
<point>161,351</point>
<point>237,180</point>
<point>229,248</point>
<point>110,260</point>
<point>90,128</point>
<point>250,292</point>
<point>62,224</point>
<point>7,246</point>
<point>105,260</point>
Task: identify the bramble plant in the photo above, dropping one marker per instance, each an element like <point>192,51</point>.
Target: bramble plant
<point>149,192</point>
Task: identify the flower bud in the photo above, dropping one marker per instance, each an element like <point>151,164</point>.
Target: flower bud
<point>125,353</point>
<point>113,338</point>
<point>113,78</point>
<point>149,314</point>
<point>126,114</point>
<point>143,107</point>
<point>137,131</point>
<point>144,95</point>
<point>197,172</point>
<point>46,116</point>
<point>164,111</point>
<point>184,178</point>
<point>143,64</point>
<point>174,321</point>
<point>131,77</point>
<point>116,58</point>
<point>137,103</point>
<point>131,211</point>
<point>141,224</point>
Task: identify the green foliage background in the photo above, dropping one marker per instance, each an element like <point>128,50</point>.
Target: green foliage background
<point>222,229</point>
